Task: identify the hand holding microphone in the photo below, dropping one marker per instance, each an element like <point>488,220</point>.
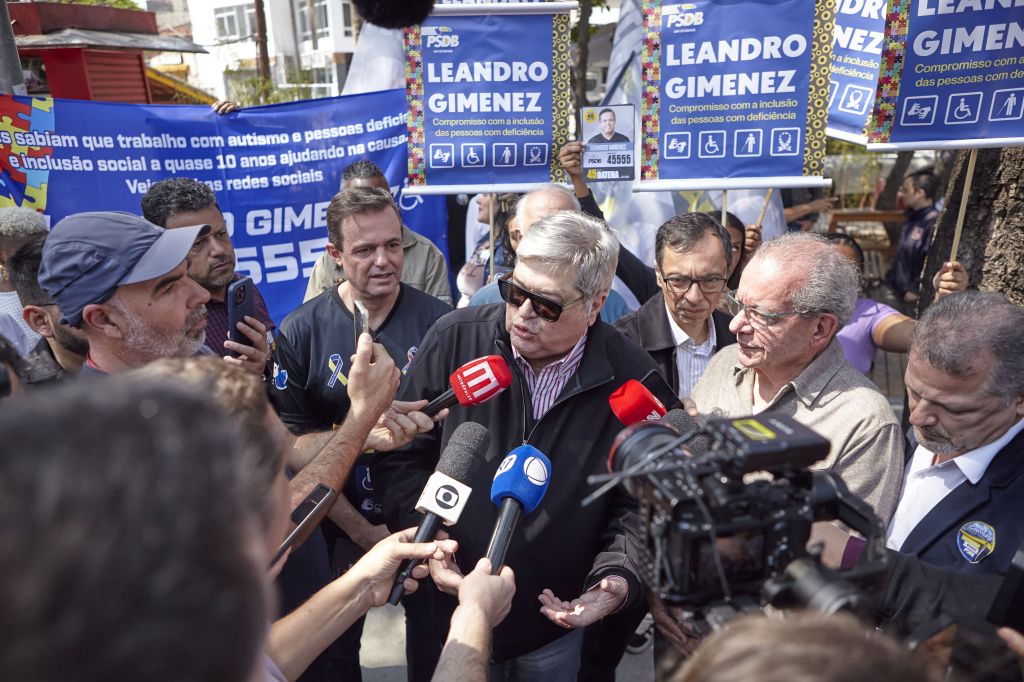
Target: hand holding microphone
<point>475,382</point>
<point>447,491</point>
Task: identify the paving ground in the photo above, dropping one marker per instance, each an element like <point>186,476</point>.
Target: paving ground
<point>383,651</point>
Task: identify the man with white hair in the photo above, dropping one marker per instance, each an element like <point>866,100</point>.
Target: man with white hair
<point>566,363</point>
<point>794,295</point>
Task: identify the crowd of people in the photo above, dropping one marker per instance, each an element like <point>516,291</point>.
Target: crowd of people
<point>153,456</point>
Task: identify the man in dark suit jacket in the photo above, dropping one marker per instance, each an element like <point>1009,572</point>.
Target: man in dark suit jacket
<point>680,327</point>
<point>962,501</point>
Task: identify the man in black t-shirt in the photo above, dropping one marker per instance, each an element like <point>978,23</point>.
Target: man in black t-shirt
<point>314,347</point>
<point>606,121</point>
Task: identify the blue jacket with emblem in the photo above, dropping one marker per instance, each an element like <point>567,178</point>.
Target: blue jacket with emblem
<point>975,528</point>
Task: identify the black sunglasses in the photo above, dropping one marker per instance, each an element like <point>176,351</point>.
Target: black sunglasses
<point>546,309</point>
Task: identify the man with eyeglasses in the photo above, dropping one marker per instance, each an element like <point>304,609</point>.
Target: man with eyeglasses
<point>680,327</point>
<point>794,295</point>
<point>566,363</point>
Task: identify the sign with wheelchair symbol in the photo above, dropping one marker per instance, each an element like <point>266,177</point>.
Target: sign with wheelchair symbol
<point>473,155</point>
<point>963,107</point>
<point>711,144</point>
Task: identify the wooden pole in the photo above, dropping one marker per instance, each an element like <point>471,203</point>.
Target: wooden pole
<point>491,199</point>
<point>725,205</point>
<point>764,206</point>
<point>964,196</point>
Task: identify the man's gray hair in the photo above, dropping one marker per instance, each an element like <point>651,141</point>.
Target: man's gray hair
<point>570,239</point>
<point>546,188</point>
<point>831,280</point>
<point>18,225</point>
<point>955,330</point>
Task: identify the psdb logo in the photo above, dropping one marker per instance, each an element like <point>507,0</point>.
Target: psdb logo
<point>441,36</point>
<point>682,16</point>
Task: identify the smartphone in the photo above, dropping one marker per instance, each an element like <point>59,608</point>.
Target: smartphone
<point>307,516</point>
<point>1008,607</point>
<point>656,384</point>
<point>361,319</point>
<point>240,301</point>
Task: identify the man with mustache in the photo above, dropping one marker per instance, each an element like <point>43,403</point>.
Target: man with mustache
<point>962,501</point>
<point>680,327</point>
<point>123,282</point>
<point>180,202</point>
<point>794,295</point>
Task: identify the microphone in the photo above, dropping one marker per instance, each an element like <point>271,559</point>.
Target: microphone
<point>519,486</point>
<point>394,14</point>
<point>475,382</point>
<point>447,490</point>
<point>632,402</point>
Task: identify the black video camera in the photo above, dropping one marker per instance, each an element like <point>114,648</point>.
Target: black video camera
<point>726,513</point>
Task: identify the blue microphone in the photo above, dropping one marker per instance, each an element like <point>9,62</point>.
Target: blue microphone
<point>519,486</point>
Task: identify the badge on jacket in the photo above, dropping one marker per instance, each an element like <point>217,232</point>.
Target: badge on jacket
<point>976,540</point>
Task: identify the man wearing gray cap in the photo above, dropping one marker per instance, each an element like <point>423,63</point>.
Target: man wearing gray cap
<point>123,281</point>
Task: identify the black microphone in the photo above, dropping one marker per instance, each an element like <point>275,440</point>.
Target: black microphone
<point>447,490</point>
<point>394,14</point>
<point>519,486</point>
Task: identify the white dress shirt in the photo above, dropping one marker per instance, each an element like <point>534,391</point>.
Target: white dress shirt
<point>926,484</point>
<point>691,358</point>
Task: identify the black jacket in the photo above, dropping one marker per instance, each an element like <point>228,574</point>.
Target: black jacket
<point>561,545</point>
<point>649,327</point>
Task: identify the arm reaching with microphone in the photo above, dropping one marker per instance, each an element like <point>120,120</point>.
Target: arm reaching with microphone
<point>484,601</point>
<point>301,636</point>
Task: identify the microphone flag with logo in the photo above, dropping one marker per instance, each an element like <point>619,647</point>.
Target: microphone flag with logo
<point>473,383</point>
<point>518,488</point>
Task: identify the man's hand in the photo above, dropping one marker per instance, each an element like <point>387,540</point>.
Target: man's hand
<point>589,607</point>
<point>372,380</point>
<point>1015,641</point>
<point>670,623</point>
<point>752,240</point>
<point>570,156</point>
<point>822,205</point>
<point>951,278</point>
<point>375,572</point>
<point>223,106</point>
<point>370,536</point>
<point>253,358</point>
<point>491,595</point>
<point>399,424</point>
<point>446,573</point>
<point>690,405</point>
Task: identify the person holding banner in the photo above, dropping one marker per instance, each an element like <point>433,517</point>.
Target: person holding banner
<point>180,202</point>
<point>423,264</point>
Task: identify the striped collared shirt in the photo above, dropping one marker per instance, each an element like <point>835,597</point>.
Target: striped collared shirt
<point>546,384</point>
<point>691,358</point>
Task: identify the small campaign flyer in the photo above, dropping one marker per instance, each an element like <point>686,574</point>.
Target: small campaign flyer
<point>608,134</point>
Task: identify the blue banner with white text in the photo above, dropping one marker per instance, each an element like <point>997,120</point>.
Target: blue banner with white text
<point>856,55</point>
<point>486,101</point>
<point>741,89</point>
<point>274,169</point>
<point>952,75</point>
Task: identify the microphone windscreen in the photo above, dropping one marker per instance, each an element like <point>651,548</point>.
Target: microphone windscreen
<point>523,475</point>
<point>464,454</point>
<point>632,402</point>
<point>479,380</point>
<point>682,422</point>
<point>394,13</point>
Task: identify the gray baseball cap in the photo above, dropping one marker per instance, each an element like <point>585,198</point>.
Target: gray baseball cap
<point>87,256</point>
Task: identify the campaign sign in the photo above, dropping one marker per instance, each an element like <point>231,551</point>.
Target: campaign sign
<point>952,75</point>
<point>273,169</point>
<point>741,91</point>
<point>482,105</point>
<point>856,56</point>
<point>609,141</point>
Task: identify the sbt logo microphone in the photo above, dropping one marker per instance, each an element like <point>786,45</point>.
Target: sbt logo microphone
<point>440,36</point>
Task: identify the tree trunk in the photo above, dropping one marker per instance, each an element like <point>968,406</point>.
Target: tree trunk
<point>992,242</point>
<point>579,69</point>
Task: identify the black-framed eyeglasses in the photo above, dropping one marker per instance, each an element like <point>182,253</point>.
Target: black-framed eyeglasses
<point>760,318</point>
<point>680,284</point>
<point>546,309</point>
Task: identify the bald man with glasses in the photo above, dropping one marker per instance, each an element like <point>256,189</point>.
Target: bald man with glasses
<point>793,297</point>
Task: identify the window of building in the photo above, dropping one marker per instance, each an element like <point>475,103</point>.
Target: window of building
<point>237,22</point>
<point>320,17</point>
<point>346,18</point>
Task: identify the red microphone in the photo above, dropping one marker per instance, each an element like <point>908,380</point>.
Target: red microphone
<point>632,402</point>
<point>475,382</point>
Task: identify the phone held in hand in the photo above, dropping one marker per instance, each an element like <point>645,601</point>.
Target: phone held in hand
<point>307,516</point>
<point>361,319</point>
<point>241,301</point>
